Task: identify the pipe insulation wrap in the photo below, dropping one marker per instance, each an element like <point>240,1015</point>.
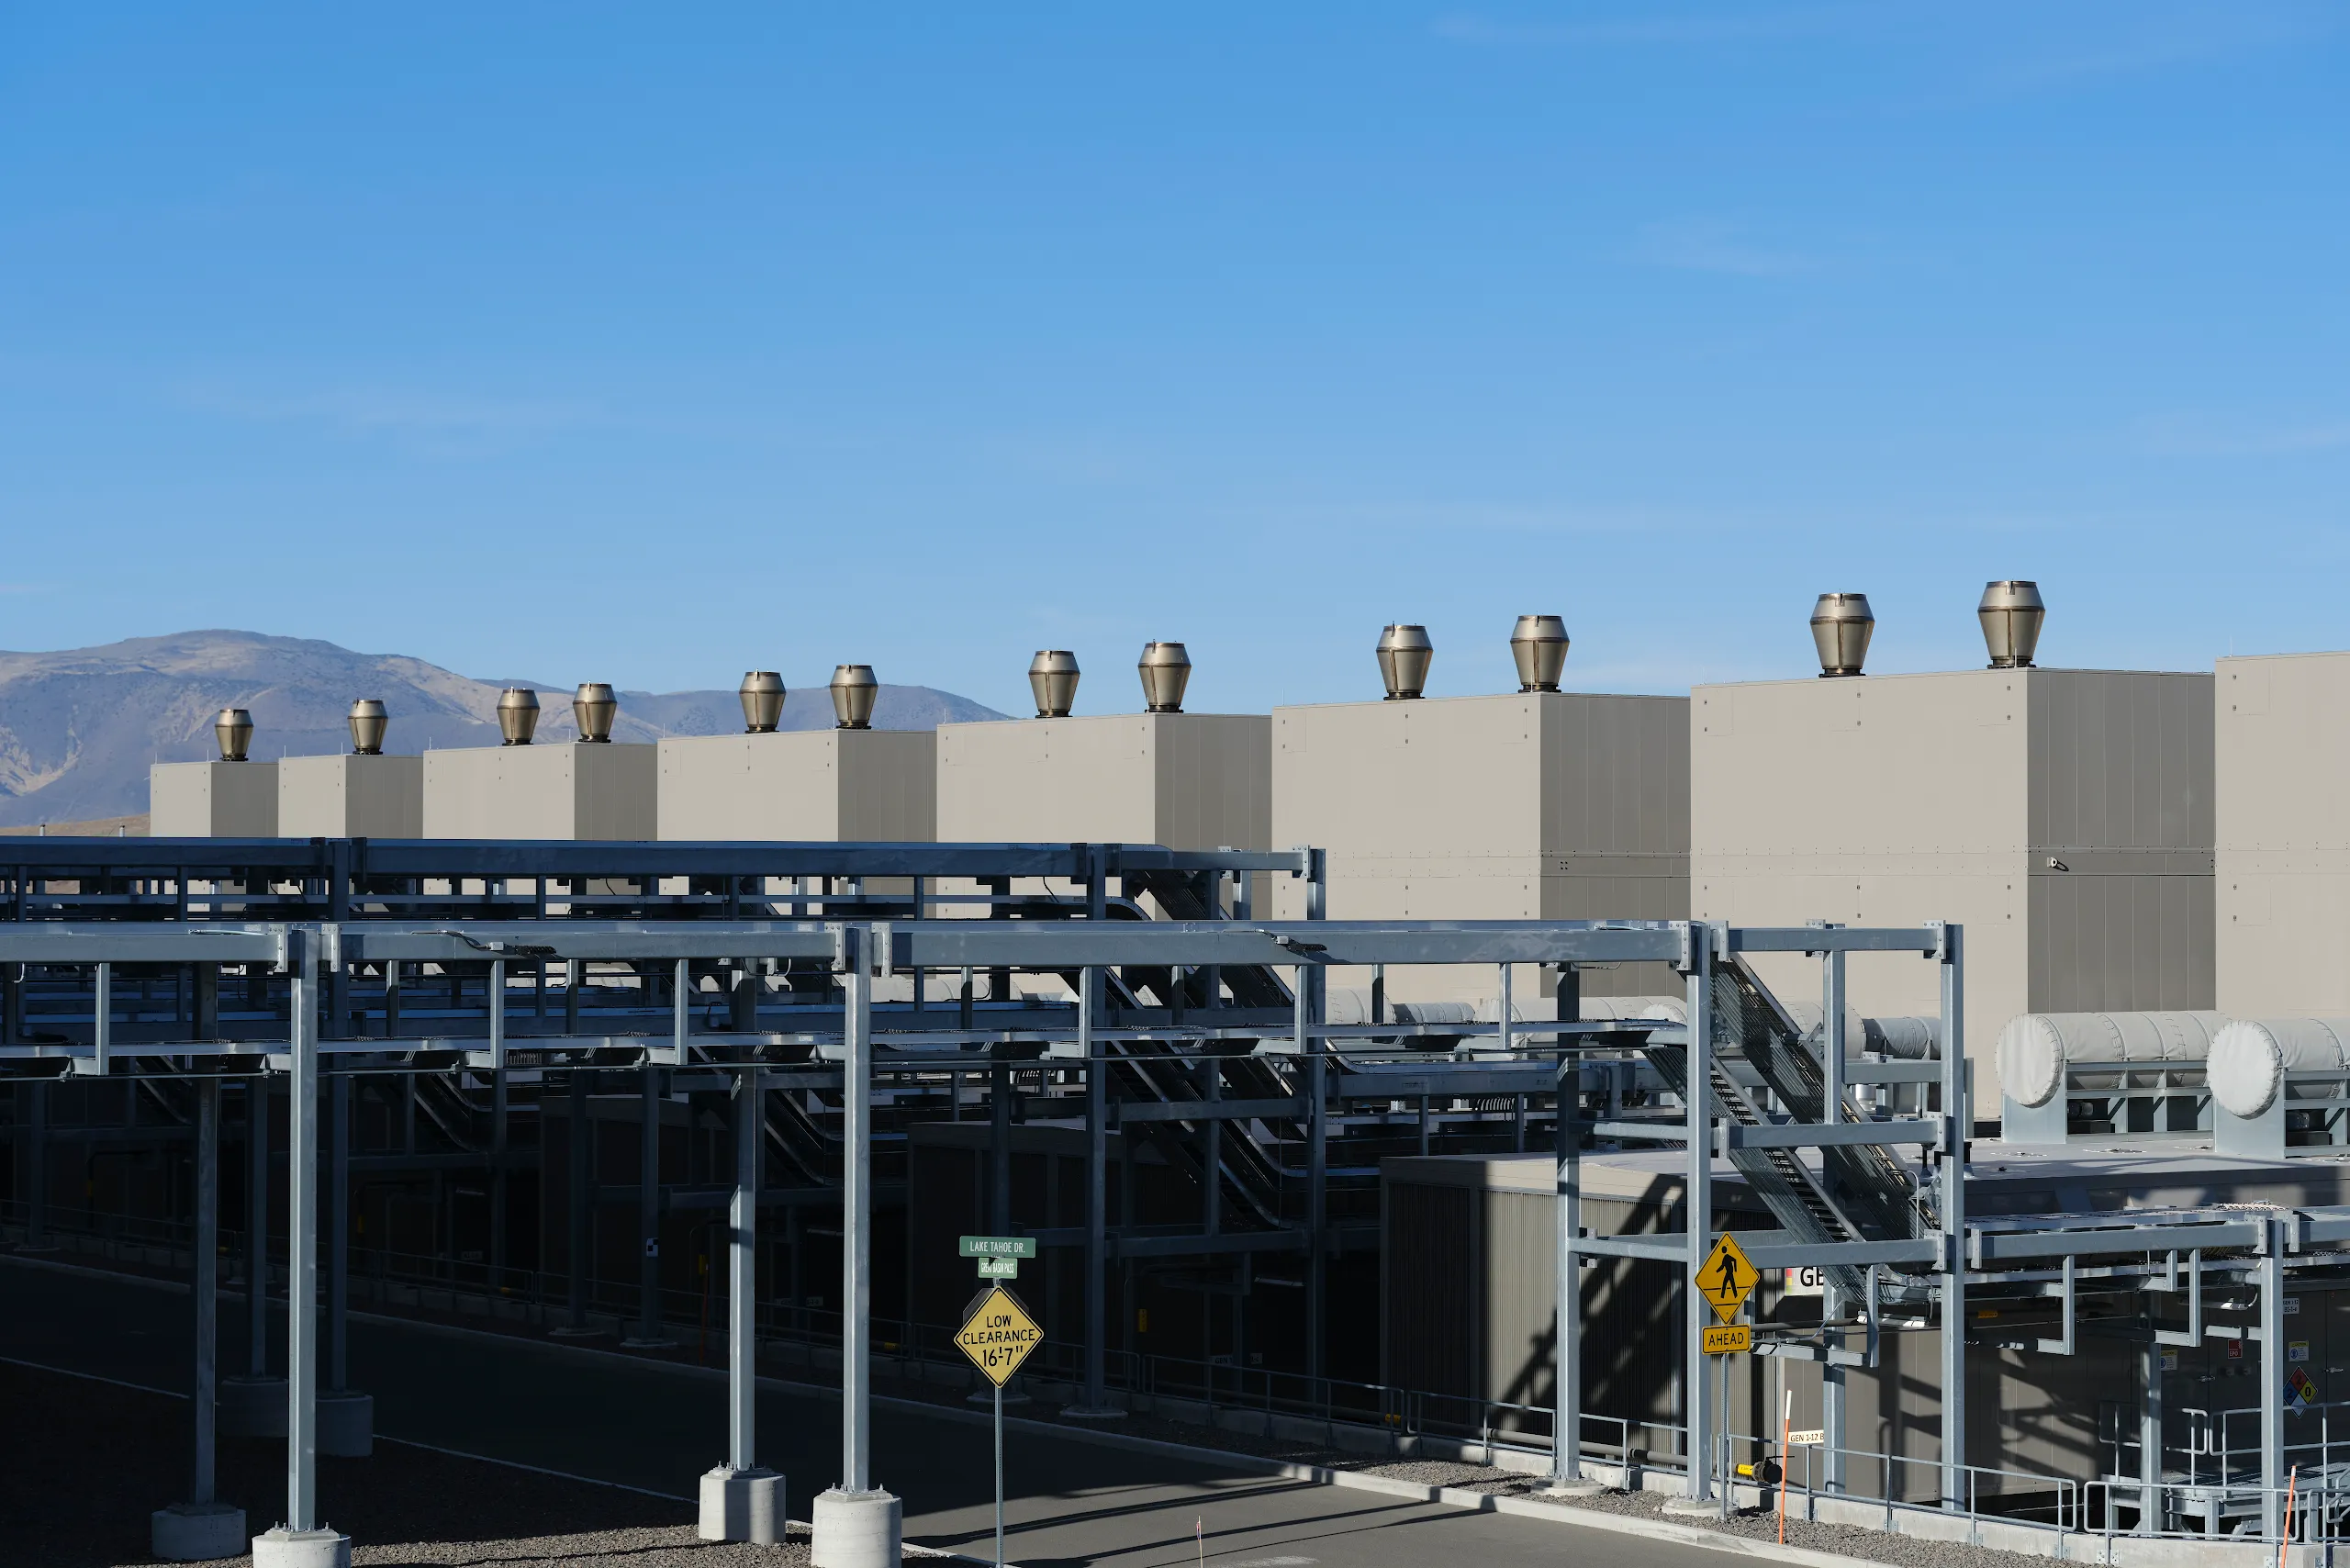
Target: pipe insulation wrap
<point>2039,1051</point>
<point>2251,1057</point>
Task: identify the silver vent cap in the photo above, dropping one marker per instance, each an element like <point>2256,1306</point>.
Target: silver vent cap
<point>1540,646</point>
<point>2012,615</point>
<point>1166,670</point>
<point>518,715</point>
<point>762,695</point>
<point>233,729</point>
<point>1842,625</point>
<point>1405,654</point>
<point>1052,678</point>
<point>368,721</point>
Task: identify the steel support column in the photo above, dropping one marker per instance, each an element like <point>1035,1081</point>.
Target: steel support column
<point>36,1101</point>
<point>648,1209</point>
<point>302,1239</point>
<point>257,1225</point>
<point>741,1279</point>
<point>1566,1418</point>
<point>2271,1271</point>
<point>339,1233</point>
<point>1097,1198</point>
<point>1956,1129</point>
<point>1832,1391</point>
<point>1697,965</point>
<point>207,1286</point>
<point>856,1241</point>
<point>579,1200</point>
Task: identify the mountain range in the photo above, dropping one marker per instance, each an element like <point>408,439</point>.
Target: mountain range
<point>79,728</point>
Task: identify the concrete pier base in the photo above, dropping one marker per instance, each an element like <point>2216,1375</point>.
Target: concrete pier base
<point>197,1532</point>
<point>283,1547</point>
<point>858,1529</point>
<point>346,1425</point>
<point>1692,1505</point>
<point>252,1406</point>
<point>741,1504</point>
<point>1586,1488</point>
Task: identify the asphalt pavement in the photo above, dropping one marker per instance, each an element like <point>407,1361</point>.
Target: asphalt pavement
<point>612,1417</point>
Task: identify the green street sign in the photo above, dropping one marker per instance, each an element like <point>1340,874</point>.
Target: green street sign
<point>999,1268</point>
<point>999,1247</point>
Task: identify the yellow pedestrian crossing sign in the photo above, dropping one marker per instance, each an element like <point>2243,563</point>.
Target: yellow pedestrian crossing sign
<point>998,1335</point>
<point>1726,1278</point>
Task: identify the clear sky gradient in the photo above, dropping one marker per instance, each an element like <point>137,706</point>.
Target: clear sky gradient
<point>650,344</point>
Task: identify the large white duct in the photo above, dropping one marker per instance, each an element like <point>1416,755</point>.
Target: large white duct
<point>2039,1051</point>
<point>1910,1039</point>
<point>2252,1056</point>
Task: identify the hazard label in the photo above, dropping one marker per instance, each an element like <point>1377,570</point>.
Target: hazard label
<point>999,1334</point>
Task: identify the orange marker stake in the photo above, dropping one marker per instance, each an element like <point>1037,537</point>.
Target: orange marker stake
<point>1786,1413</point>
<point>2286,1539</point>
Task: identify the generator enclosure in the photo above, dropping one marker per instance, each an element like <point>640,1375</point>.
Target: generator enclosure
<point>2283,859</point>
<point>212,800</point>
<point>351,797</point>
<point>581,789</point>
<point>852,785</point>
<point>1182,781</point>
<point>2064,817</point>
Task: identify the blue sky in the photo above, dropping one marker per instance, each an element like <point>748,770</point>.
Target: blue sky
<point>650,343</point>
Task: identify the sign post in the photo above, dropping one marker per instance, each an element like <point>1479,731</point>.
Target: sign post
<point>1725,1279</point>
<point>997,1334</point>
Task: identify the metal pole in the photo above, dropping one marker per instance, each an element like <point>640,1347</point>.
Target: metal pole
<point>1698,1204</point>
<point>856,1256</point>
<point>497,1151</point>
<point>999,1475</point>
<point>257,1223</point>
<point>1097,1192</point>
<point>1566,1418</point>
<point>302,1240</point>
<point>2150,1438</point>
<point>580,1199</point>
<point>2272,1381</point>
<point>1832,1393</point>
<point>339,1223</point>
<point>742,1280</point>
<point>1309,1047</point>
<point>207,1283</point>
<point>1955,1131</point>
<point>648,1207</point>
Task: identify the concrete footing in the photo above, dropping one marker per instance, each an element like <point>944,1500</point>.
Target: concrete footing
<point>1581,1488</point>
<point>858,1529</point>
<point>252,1407</point>
<point>741,1504</point>
<point>1692,1505</point>
<point>346,1425</point>
<point>283,1547</point>
<point>199,1533</point>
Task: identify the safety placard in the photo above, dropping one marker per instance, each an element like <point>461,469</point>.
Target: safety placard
<point>1726,1278</point>
<point>1807,1437</point>
<point>1729,1339</point>
<point>998,1335</point>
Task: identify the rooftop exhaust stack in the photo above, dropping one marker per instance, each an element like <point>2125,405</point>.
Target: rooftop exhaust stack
<point>1539,645</point>
<point>1052,677</point>
<point>854,689</point>
<point>593,708</point>
<point>368,723</point>
<point>1841,627</point>
<point>234,730</point>
<point>2011,613</point>
<point>518,715</point>
<point>1405,654</point>
<point>1166,670</point>
<point>762,695</point>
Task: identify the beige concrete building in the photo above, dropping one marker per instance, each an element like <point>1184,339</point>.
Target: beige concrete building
<point>212,800</point>
<point>1527,806</point>
<point>802,785</point>
<point>1184,780</point>
<point>2283,864</point>
<point>583,789</point>
<point>351,797</point>
<point>2064,817</point>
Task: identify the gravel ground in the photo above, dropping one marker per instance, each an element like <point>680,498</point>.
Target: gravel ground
<point>83,1463</point>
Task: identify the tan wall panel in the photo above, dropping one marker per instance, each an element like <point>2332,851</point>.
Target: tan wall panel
<point>561,791</point>
<point>1187,780</point>
<point>2282,905</point>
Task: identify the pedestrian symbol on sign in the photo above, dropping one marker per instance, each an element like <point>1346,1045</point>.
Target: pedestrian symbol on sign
<point>1727,1278</point>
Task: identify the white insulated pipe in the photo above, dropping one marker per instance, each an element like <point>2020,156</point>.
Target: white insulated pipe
<point>2251,1057</point>
<point>2038,1052</point>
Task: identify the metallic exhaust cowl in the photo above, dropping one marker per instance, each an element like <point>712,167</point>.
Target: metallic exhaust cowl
<point>1166,670</point>
<point>2011,613</point>
<point>1540,646</point>
<point>368,721</point>
<point>1842,625</point>
<point>233,729</point>
<point>1405,654</point>
<point>518,715</point>
<point>1052,677</point>
<point>593,708</point>
<point>762,695</point>
<point>854,689</point>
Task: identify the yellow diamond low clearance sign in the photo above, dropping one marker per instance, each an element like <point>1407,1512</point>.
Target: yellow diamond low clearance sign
<point>1726,1278</point>
<point>998,1335</point>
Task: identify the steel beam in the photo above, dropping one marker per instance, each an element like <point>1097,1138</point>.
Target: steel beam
<point>857,1250</point>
